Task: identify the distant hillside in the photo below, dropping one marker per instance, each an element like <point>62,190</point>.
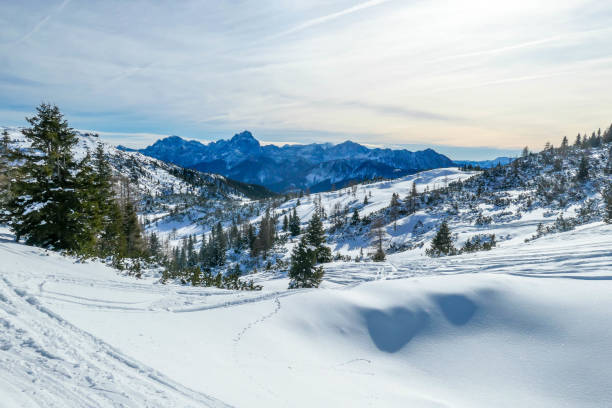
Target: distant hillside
<point>317,167</point>
<point>485,164</point>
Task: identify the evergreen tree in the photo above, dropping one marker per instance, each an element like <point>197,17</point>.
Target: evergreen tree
<point>285,223</point>
<point>219,245</point>
<point>303,271</point>
<point>44,206</point>
<point>578,142</point>
<point>133,233</point>
<point>154,246</point>
<point>379,232</point>
<point>442,243</point>
<point>89,215</point>
<point>564,144</point>
<point>355,218</point>
<point>315,236</point>
<point>294,224</point>
<point>607,196</point>
<point>265,236</point>
<point>6,171</point>
<point>583,169</point>
<point>525,151</point>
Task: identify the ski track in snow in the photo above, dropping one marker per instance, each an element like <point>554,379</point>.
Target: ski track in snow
<point>50,362</point>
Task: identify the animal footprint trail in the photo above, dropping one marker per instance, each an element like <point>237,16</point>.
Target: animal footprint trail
<point>277,307</point>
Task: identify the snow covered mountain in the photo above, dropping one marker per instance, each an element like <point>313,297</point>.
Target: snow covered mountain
<point>485,164</point>
<point>290,167</point>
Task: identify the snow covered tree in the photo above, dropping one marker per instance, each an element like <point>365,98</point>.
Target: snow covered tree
<point>44,206</point>
<point>304,273</point>
<point>442,243</point>
<point>315,236</point>
<point>394,200</point>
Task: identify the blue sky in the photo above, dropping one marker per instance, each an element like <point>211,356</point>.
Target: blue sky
<point>473,79</point>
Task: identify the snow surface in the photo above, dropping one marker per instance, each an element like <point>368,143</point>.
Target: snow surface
<point>521,325</point>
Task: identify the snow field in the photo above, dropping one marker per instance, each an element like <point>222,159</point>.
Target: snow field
<point>527,325</point>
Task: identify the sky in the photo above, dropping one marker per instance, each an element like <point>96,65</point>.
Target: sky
<point>472,79</point>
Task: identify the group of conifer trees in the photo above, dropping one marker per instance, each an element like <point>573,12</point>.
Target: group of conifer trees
<point>53,200</point>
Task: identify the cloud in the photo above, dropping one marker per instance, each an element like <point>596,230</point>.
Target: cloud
<point>328,17</point>
<point>474,73</point>
<point>42,22</point>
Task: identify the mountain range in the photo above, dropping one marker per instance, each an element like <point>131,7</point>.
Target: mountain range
<point>485,164</point>
<point>316,166</point>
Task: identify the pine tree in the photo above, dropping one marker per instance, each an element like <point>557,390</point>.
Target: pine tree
<point>133,232</point>
<point>285,223</point>
<point>44,206</point>
<point>6,171</point>
<point>220,245</point>
<point>607,196</point>
<point>294,224</point>
<point>564,144</point>
<point>578,142</point>
<point>303,271</point>
<point>378,232</point>
<point>355,218</point>
<point>525,152</point>
<point>315,236</point>
<point>442,243</point>
<point>89,215</point>
<point>583,169</point>
<point>154,246</point>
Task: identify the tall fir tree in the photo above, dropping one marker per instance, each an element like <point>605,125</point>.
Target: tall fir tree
<point>6,171</point>
<point>355,218</point>
<point>315,236</point>
<point>45,206</point>
<point>607,197</point>
<point>294,224</point>
<point>583,169</point>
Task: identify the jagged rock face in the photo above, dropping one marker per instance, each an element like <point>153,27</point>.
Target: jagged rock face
<point>315,166</point>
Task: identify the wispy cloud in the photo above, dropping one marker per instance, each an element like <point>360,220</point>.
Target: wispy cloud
<point>328,17</point>
<point>42,22</point>
<point>376,71</point>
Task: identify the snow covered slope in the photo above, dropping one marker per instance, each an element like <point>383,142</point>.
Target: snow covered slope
<point>527,325</point>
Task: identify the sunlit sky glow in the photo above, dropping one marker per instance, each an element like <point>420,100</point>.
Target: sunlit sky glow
<point>473,79</point>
